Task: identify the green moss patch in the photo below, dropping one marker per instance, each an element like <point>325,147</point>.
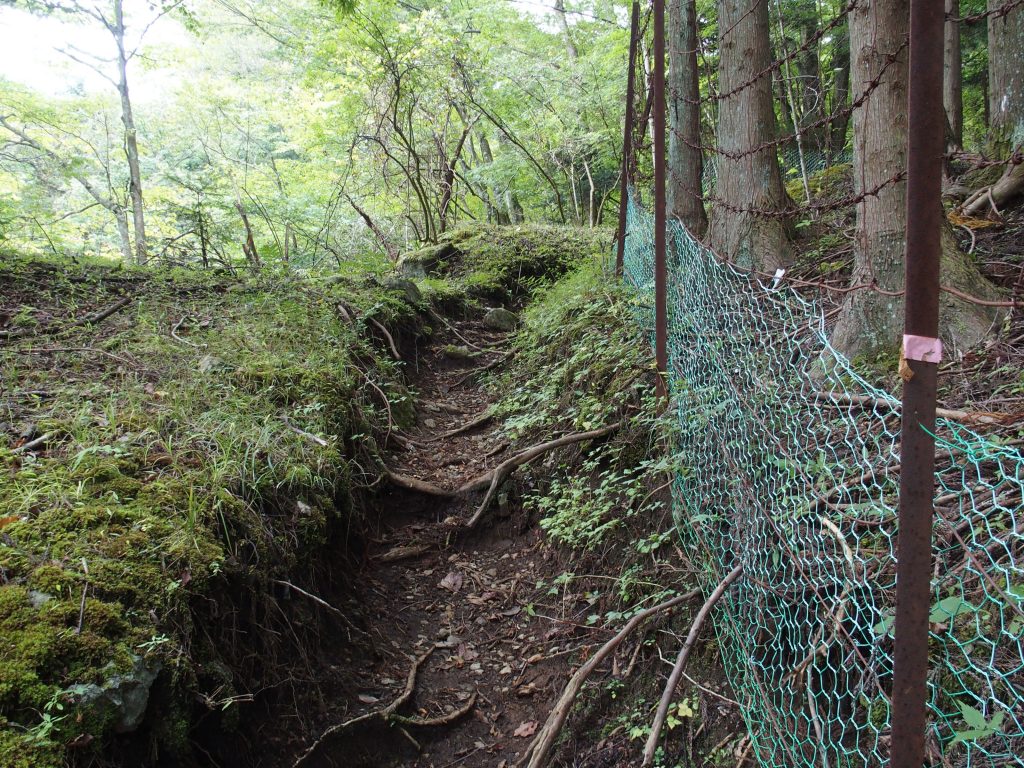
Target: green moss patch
<point>206,438</point>
<point>502,263</point>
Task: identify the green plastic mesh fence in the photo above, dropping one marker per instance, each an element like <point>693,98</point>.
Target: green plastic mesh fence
<point>791,467</point>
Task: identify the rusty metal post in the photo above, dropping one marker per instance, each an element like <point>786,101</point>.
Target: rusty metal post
<point>627,137</point>
<point>923,351</point>
<point>660,264</point>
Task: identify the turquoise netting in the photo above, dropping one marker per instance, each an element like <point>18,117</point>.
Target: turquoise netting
<point>791,467</point>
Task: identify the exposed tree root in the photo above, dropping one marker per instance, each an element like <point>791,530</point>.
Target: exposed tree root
<point>491,480</point>
<point>388,714</point>
<point>484,369</point>
<point>420,486</point>
<point>469,425</point>
<point>537,753</point>
<point>1009,185</point>
<point>680,666</point>
<point>391,341</point>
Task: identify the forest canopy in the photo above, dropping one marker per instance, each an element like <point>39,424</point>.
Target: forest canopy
<point>305,132</point>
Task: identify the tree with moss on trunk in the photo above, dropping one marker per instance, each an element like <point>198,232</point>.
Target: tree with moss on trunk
<point>871,322</point>
<point>746,225</point>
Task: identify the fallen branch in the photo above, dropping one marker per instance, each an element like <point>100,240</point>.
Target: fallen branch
<point>391,341</point>
<point>684,655</point>
<point>539,749</point>
<point>54,329</point>
<point>53,350</point>
<point>404,552</point>
<point>31,445</point>
<point>420,486</point>
<point>968,417</point>
<point>491,480</point>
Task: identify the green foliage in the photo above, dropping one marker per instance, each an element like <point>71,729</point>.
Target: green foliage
<point>579,365</point>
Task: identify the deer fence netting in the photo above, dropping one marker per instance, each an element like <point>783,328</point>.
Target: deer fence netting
<point>790,467</point>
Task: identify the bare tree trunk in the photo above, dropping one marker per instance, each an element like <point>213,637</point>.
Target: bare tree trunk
<point>952,81</point>
<point>494,204</point>
<point>121,217</point>
<point>685,158</point>
<point>131,146</point>
<point>1005,79</point>
<point>249,246</point>
<point>563,22</point>
<point>840,92</point>
<point>871,322</point>
<point>389,247</point>
<point>749,182</point>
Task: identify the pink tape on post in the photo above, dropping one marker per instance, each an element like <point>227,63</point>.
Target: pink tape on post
<point>922,348</point>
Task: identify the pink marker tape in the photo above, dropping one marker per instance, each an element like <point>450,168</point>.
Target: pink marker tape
<point>922,349</point>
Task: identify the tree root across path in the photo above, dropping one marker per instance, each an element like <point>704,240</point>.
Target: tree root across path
<point>389,715</point>
<point>680,665</point>
<point>492,479</point>
<point>537,753</point>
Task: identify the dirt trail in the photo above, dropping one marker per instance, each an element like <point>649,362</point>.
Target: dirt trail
<point>427,586</point>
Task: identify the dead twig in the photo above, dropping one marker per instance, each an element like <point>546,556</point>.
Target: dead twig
<point>176,337</point>
<point>303,433</point>
<point>684,655</point>
<point>536,754</point>
<point>491,480</point>
<point>323,604</point>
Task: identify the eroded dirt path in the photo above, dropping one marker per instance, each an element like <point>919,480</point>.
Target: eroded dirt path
<point>460,602</point>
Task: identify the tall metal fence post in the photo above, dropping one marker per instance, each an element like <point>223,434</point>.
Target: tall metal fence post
<point>660,265</point>
<point>922,351</point>
<point>627,137</point>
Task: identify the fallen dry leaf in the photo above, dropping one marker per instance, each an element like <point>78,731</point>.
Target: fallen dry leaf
<point>526,729</point>
<point>452,582</point>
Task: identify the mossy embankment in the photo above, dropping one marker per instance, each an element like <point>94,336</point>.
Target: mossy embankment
<point>171,469</point>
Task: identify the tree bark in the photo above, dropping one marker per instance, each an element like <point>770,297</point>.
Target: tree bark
<point>131,146</point>
<point>840,92</point>
<point>563,23</point>
<point>1005,79</point>
<point>952,81</point>
<point>750,182</point>
<point>871,322</point>
<point>685,158</point>
<point>494,203</point>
